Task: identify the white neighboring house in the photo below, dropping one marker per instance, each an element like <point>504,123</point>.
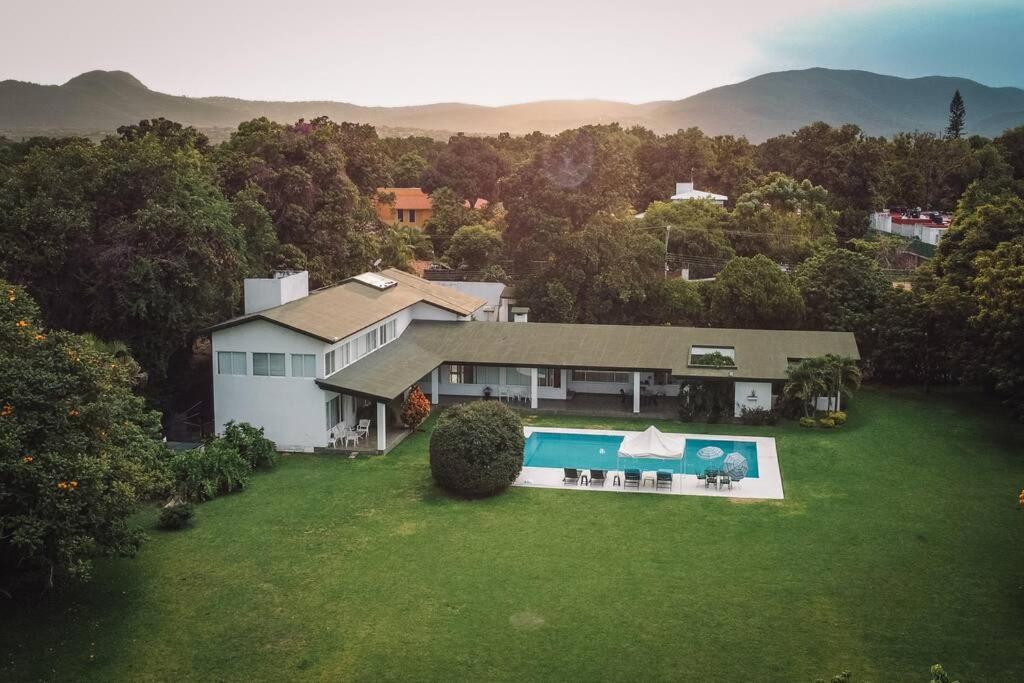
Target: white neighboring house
<point>305,365</point>
<point>500,306</point>
<point>686,192</point>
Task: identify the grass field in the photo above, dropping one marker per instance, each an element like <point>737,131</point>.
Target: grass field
<point>898,546</point>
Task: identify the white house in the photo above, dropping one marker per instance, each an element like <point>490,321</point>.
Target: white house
<point>686,192</point>
<point>304,365</point>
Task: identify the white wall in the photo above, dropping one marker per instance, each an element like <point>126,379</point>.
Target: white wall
<point>264,293</point>
<point>290,409</point>
<point>743,399</point>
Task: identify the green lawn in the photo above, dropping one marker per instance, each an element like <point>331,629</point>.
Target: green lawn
<point>898,546</point>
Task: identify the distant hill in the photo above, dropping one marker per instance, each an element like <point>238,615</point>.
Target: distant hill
<point>767,105</point>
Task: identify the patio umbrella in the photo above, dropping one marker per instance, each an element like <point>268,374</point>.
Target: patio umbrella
<point>652,443</point>
<point>709,453</point>
<point>736,466</point>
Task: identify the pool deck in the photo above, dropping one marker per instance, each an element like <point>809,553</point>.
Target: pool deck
<point>767,485</point>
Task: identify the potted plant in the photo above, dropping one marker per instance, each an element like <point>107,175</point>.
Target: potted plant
<point>487,393</point>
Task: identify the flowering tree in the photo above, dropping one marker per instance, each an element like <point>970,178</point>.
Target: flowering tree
<point>78,449</point>
<point>416,408</point>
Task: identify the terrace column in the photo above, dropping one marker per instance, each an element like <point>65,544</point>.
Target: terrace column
<point>533,388</point>
<point>435,380</point>
<point>382,430</point>
<point>636,392</point>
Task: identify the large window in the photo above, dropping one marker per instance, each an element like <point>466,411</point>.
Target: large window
<point>230,363</point>
<point>330,363</point>
<point>346,353</point>
<point>401,215</point>
<point>486,374</point>
<point>602,376</point>
<point>303,365</point>
<point>549,377</point>
<point>460,374</point>
<point>368,342</point>
<point>412,215</point>
<point>517,377</point>
<point>333,412</point>
<point>268,364</point>
<point>387,332</point>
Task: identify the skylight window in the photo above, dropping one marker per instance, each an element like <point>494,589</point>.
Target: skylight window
<point>713,356</point>
<point>376,281</point>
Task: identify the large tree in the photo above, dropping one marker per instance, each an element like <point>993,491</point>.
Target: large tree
<point>303,171</point>
<point>754,293</point>
<point>470,166</point>
<point>957,116</point>
<point>130,239</point>
<point>841,290</point>
<point>78,450</point>
<point>998,288</point>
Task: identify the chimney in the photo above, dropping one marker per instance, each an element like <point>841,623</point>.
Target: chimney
<point>284,286</point>
<point>682,188</point>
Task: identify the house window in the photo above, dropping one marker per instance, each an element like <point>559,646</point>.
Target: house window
<point>346,354</point>
<point>333,412</point>
<point>412,215</point>
<point>369,342</point>
<point>517,377</point>
<point>330,363</point>
<point>486,374</point>
<point>230,363</point>
<point>387,332</point>
<point>401,215</point>
<point>268,364</point>
<point>602,376</point>
<point>549,377</point>
<point>303,365</point>
<point>460,374</point>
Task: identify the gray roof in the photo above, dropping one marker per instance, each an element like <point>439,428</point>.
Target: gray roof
<point>760,354</point>
<point>336,312</point>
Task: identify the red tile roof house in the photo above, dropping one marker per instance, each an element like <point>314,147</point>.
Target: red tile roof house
<point>409,206</point>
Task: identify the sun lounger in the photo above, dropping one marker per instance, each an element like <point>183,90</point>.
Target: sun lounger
<point>631,478</point>
<point>664,479</point>
<point>571,476</point>
<point>597,477</point>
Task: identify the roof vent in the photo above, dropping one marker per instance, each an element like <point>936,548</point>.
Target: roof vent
<point>376,281</point>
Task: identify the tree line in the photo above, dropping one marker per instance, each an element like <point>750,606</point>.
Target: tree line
<point>146,236</point>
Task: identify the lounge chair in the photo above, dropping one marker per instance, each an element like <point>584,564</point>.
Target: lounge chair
<point>631,478</point>
<point>570,476</point>
<point>597,477</point>
<point>712,480</point>
<point>702,477</point>
<point>664,479</point>
<point>724,480</point>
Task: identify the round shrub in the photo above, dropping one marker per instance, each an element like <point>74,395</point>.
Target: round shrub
<point>838,416</point>
<point>827,422</point>
<point>177,514</point>
<point>255,449</point>
<point>203,473</point>
<point>477,448</point>
<point>807,422</point>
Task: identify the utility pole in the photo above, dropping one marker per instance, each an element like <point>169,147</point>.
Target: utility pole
<point>668,229</point>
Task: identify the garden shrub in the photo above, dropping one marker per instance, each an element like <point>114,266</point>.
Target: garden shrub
<point>838,416</point>
<point>705,400</point>
<point>255,449</point>
<point>807,422</point>
<point>758,416</point>
<point>477,448</point>
<point>177,514</point>
<point>827,422</point>
<point>216,468</point>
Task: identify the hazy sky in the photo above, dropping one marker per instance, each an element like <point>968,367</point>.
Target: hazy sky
<point>409,52</point>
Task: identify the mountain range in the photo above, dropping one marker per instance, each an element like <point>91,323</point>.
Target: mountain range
<point>767,105</point>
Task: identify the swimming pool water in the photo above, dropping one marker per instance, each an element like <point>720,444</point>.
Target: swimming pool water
<point>600,452</point>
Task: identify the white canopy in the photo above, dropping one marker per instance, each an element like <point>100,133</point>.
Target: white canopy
<point>651,443</point>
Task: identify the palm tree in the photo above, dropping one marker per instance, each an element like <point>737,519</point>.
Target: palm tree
<point>807,380</point>
<point>843,377</point>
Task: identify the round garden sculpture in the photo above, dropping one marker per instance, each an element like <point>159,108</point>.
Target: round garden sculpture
<point>736,466</point>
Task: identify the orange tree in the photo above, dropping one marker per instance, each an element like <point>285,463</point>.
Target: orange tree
<point>416,408</point>
<point>78,450</point>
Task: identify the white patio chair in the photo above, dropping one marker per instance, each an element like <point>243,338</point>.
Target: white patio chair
<point>348,437</point>
<point>362,430</point>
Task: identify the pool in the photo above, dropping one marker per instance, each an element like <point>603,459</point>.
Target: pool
<point>599,451</point>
